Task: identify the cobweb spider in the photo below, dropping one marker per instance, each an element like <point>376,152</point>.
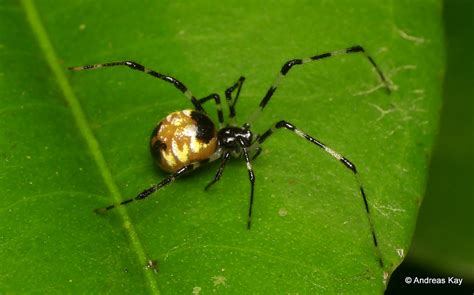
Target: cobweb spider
<point>185,140</point>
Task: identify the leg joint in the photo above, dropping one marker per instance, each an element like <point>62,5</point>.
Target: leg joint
<point>349,165</point>
<point>356,48</point>
<point>284,124</point>
<point>216,97</point>
<point>288,65</point>
<point>134,65</point>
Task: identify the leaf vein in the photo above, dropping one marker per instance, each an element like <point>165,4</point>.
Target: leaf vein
<point>85,130</point>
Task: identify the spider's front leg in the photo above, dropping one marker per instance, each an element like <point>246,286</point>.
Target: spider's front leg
<point>348,164</point>
<point>300,61</point>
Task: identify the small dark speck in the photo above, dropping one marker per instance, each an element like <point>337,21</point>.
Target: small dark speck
<point>153,265</point>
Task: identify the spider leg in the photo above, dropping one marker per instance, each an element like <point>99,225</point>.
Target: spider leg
<point>218,175</point>
<point>251,178</point>
<point>217,100</point>
<point>348,164</point>
<point>255,147</point>
<point>135,66</point>
<point>231,102</point>
<point>257,153</point>
<point>288,65</point>
<point>146,193</point>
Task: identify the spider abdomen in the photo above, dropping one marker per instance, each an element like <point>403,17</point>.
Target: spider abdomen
<point>181,138</point>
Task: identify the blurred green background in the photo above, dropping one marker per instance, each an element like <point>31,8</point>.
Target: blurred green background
<point>443,244</point>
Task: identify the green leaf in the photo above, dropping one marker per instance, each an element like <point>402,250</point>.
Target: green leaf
<point>75,141</point>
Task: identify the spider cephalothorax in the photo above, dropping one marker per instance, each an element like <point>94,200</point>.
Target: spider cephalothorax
<point>234,138</point>
<point>185,140</point>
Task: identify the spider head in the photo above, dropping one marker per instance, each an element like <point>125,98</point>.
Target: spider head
<point>232,138</point>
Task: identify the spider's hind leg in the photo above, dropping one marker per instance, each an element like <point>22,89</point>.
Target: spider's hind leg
<point>146,193</point>
<point>138,67</point>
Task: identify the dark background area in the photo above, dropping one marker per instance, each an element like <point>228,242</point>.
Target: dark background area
<point>443,244</point>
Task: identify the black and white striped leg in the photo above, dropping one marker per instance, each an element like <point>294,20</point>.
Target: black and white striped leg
<point>135,66</point>
<point>217,100</point>
<point>258,151</point>
<point>218,175</point>
<point>252,181</point>
<point>231,102</point>
<point>146,193</point>
<point>348,164</point>
<point>255,149</point>
<point>288,65</point>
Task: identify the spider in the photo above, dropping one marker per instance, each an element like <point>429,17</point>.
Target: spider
<point>187,139</point>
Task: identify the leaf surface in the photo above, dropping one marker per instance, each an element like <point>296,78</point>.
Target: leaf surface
<point>75,141</point>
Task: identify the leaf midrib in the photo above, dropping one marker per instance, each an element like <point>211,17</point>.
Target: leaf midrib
<point>85,130</point>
